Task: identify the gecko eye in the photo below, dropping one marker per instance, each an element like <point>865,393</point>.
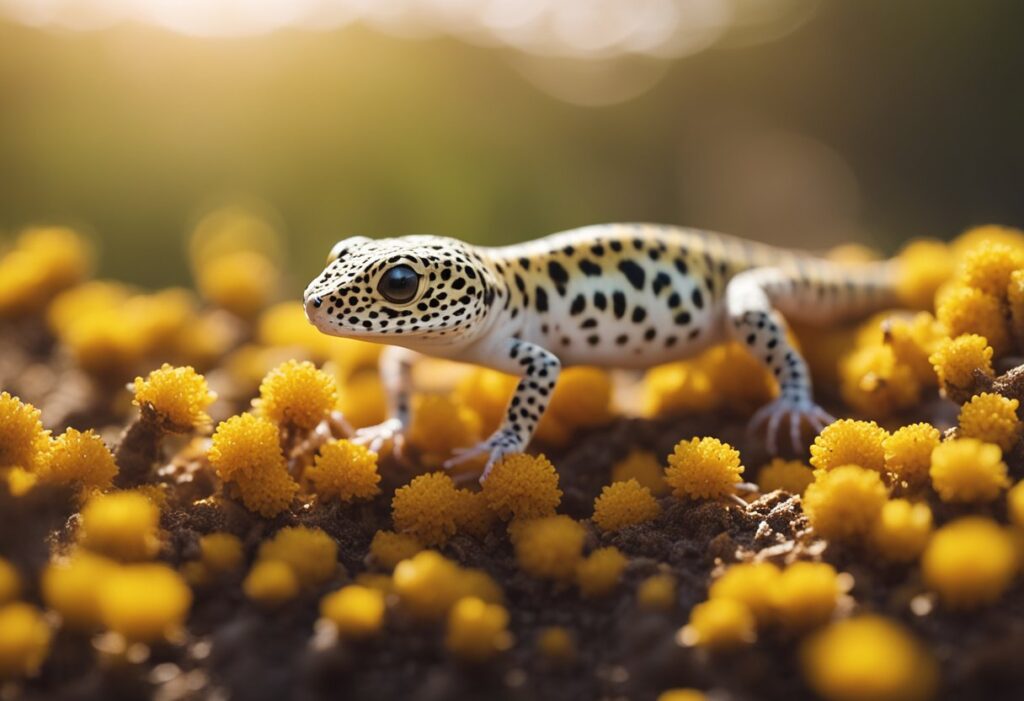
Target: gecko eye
<point>399,284</point>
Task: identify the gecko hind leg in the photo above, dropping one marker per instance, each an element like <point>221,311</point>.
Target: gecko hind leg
<point>755,322</point>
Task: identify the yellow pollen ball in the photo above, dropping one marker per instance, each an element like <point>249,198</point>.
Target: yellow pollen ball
<point>121,525</point>
<point>967,470</point>
<point>427,508</point>
<point>20,481</point>
<point>144,602</point>
<point>439,425</point>
<point>345,471</point>
<point>850,442</point>
<point>522,486</point>
<point>969,562</point>
<point>24,640</point>
<point>912,341</point>
<point>751,584</point>
<point>657,593</point>
<point>599,573</point>
<point>427,585</point>
<point>720,624</point>
<point>924,266</point>
<point>644,467</point>
<point>271,583</point>
<point>23,442</point>
<point>177,396</point>
<point>908,453</point>
<point>788,475</point>
<point>989,265</point>
<point>298,394</point>
<point>991,418</point>
<point>242,282</point>
<point>965,310</point>
<point>221,552</point>
<point>550,547</point>
<point>43,262</point>
<point>622,504</point>
<point>477,630</point>
<point>873,381</point>
<point>956,360</point>
<point>867,658</point>
<point>474,516</point>
<point>388,548</point>
<point>81,459</point>
<point>582,398</point>
<point>806,594</point>
<point>844,502</point>
<point>246,450</point>
<point>71,587</point>
<point>309,552</point>
<point>902,530</point>
<point>355,611</point>
<point>1015,504</point>
<point>703,468</point>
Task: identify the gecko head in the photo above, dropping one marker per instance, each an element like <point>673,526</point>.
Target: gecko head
<point>412,288</point>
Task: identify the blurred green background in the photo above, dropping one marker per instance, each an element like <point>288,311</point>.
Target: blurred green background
<point>871,121</point>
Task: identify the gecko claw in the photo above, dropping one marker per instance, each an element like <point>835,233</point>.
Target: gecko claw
<point>376,437</point>
<point>500,444</point>
<point>795,412</point>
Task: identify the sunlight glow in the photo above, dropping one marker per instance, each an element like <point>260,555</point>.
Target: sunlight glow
<point>583,29</point>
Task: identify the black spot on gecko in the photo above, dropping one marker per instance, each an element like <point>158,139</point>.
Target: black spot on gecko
<point>559,275</point>
<point>542,299</point>
<point>619,304</point>
<point>579,303</point>
<point>634,273</point>
<point>600,301</point>
<point>639,314</point>
<point>698,298</point>
<point>589,268</point>
<point>661,281</point>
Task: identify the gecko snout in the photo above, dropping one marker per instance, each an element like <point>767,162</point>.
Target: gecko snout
<point>312,303</point>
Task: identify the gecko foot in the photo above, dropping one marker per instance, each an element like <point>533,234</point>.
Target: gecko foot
<point>376,437</point>
<point>795,412</point>
<point>500,444</point>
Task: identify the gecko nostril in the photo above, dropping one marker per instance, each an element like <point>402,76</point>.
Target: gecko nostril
<point>317,302</point>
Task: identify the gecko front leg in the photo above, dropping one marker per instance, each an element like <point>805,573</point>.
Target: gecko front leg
<point>396,375</point>
<point>538,371</point>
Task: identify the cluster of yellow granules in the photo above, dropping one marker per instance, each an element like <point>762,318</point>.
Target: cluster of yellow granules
<point>872,487</point>
<point>866,488</point>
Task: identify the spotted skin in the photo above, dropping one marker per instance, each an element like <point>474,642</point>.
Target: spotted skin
<point>616,295</point>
